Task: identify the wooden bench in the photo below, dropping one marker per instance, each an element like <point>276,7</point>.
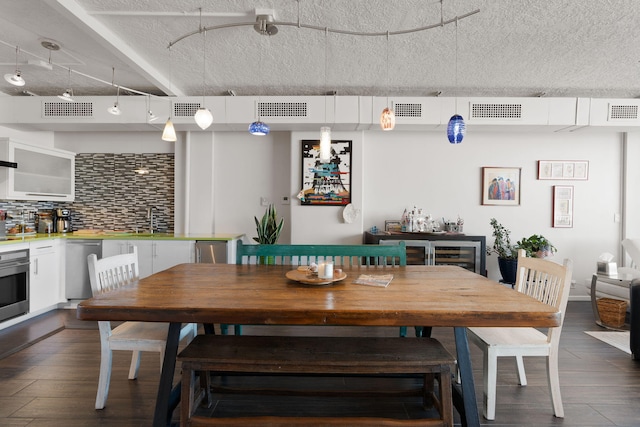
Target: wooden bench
<point>347,356</point>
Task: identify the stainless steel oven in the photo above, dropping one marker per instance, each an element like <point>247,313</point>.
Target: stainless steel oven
<point>14,284</point>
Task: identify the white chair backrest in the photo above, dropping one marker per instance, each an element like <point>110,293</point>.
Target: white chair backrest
<point>546,281</point>
<point>112,272</point>
<point>632,246</point>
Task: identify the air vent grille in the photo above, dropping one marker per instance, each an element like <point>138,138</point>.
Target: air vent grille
<point>185,109</point>
<point>282,109</point>
<point>67,109</point>
<point>408,110</point>
<point>623,112</point>
<point>496,111</point>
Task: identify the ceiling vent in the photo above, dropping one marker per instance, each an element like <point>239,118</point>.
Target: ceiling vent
<point>67,109</point>
<point>185,109</point>
<point>496,111</point>
<point>282,109</point>
<point>407,110</point>
<point>623,112</point>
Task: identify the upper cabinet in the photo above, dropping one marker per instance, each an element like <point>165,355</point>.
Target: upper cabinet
<point>42,174</point>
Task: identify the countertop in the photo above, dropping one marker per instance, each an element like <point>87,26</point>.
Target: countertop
<point>102,235</point>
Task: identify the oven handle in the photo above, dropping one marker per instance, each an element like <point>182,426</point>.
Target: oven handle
<point>14,264</point>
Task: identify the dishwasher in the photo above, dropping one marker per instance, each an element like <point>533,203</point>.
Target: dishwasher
<point>77,284</point>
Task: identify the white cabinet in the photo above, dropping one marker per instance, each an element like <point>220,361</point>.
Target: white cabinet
<point>42,173</point>
<point>153,255</point>
<point>44,274</point>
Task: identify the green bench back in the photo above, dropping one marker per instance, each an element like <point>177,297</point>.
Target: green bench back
<point>306,254</point>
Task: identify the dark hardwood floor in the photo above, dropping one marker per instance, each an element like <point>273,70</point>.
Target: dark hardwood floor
<point>49,373</point>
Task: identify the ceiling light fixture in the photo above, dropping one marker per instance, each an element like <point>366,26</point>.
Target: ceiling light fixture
<point>16,78</point>
<point>388,116</point>
<point>259,128</point>
<point>115,109</point>
<point>67,95</point>
<point>325,131</point>
<point>169,132</point>
<point>203,116</point>
<point>150,116</point>
<point>456,128</point>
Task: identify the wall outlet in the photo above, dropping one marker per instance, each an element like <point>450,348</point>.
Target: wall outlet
<point>573,284</point>
<point>285,200</point>
<point>264,201</point>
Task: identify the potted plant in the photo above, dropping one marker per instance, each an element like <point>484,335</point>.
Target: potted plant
<point>507,253</point>
<point>536,246</point>
<point>268,227</point>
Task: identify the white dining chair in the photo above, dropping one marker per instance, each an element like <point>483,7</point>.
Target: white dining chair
<point>105,275</point>
<point>548,282</point>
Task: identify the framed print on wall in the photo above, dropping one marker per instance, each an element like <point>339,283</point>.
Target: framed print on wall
<point>501,186</point>
<point>326,184</point>
<point>562,206</point>
<point>563,169</point>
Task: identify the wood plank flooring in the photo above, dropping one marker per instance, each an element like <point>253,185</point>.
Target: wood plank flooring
<point>51,380</point>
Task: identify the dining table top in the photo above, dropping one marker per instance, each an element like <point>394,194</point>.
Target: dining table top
<point>262,294</point>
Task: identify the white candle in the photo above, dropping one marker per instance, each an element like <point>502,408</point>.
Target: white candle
<point>325,270</point>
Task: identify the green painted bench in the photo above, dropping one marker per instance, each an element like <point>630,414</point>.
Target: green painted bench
<point>392,255</point>
<point>306,254</point>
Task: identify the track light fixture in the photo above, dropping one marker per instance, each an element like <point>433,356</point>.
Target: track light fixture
<point>115,109</point>
<point>16,78</point>
<point>67,95</point>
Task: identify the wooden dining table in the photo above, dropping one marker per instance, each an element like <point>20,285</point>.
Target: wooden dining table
<point>434,296</point>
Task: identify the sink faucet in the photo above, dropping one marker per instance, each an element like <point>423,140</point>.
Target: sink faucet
<point>150,218</point>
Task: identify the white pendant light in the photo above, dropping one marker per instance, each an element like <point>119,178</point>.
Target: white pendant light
<point>169,132</point>
<point>16,78</point>
<point>203,116</point>
<point>325,144</point>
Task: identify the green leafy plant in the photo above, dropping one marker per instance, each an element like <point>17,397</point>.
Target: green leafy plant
<point>268,228</point>
<point>502,244</point>
<point>536,246</point>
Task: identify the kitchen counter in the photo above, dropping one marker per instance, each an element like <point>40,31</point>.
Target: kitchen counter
<point>100,235</point>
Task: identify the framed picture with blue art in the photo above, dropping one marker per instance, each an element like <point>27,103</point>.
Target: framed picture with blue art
<point>500,186</point>
<point>326,184</point>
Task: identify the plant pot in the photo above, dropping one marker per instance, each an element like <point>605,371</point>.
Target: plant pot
<point>508,269</point>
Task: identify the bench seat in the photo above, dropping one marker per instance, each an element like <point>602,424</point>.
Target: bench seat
<point>346,356</point>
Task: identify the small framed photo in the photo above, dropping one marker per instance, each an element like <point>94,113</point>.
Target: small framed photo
<point>563,169</point>
<point>562,206</point>
<point>392,225</point>
<point>501,186</point>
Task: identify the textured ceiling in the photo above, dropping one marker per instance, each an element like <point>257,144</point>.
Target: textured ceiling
<point>565,48</point>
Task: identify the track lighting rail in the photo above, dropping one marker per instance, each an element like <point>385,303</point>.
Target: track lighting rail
<point>442,23</point>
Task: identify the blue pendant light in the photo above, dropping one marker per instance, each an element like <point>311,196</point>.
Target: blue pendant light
<point>456,129</point>
<point>259,128</point>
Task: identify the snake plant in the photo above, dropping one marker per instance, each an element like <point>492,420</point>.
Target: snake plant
<point>268,228</point>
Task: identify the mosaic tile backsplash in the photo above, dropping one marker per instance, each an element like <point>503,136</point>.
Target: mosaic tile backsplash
<point>111,196</point>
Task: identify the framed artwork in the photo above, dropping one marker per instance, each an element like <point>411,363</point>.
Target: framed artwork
<point>501,186</point>
<point>392,225</point>
<point>562,206</point>
<point>326,184</point>
<point>563,169</point>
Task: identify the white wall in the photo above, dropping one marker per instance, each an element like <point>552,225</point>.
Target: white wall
<point>423,169</point>
<point>397,170</point>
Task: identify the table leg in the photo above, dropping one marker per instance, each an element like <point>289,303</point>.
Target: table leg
<point>162,414</point>
<point>465,399</point>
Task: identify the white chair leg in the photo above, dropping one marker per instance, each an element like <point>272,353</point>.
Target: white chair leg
<point>135,365</point>
<point>522,376</point>
<point>554,384</point>
<point>490,380</point>
<point>105,377</point>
